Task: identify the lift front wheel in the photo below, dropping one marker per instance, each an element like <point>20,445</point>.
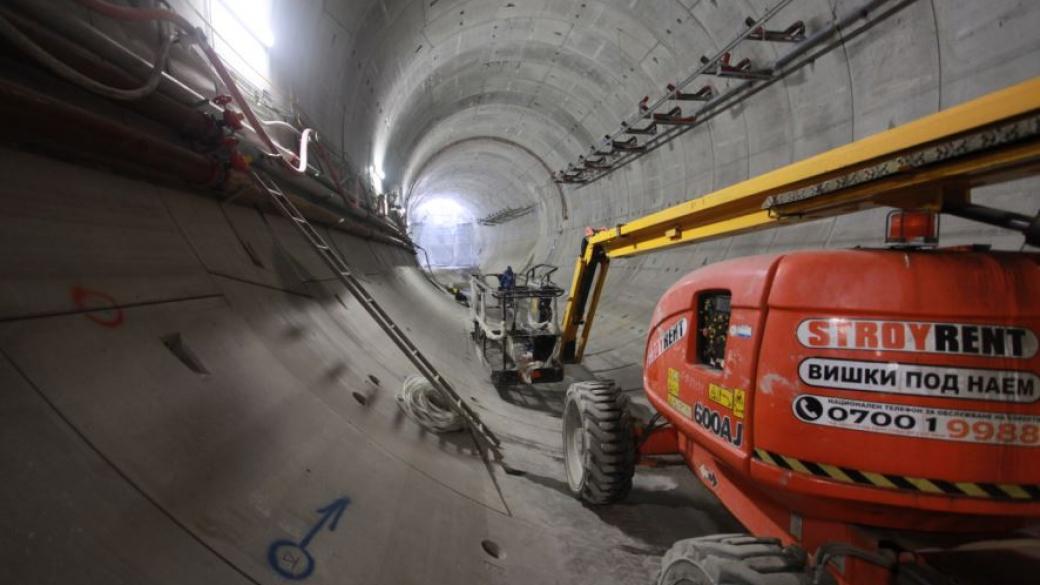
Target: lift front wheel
<point>732,559</point>
<point>598,444</point>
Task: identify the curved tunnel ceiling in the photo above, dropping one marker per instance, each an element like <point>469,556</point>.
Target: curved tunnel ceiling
<point>556,76</point>
<point>504,171</point>
<point>429,90</point>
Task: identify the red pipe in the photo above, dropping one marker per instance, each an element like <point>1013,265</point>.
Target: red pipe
<point>184,119</point>
<point>39,120</point>
<point>85,135</point>
<point>34,118</point>
<point>136,14</point>
<point>327,164</point>
<point>149,15</point>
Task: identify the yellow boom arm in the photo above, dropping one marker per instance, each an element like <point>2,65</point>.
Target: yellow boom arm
<point>930,163</point>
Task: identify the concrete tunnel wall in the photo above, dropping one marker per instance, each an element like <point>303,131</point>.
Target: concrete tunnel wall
<point>237,389</point>
<point>184,385</point>
<point>431,89</point>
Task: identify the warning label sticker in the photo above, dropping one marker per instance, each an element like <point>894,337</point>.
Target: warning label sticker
<point>673,381</point>
<point>919,380</point>
<point>911,421</point>
<point>680,406</point>
<point>734,399</point>
<point>673,394</point>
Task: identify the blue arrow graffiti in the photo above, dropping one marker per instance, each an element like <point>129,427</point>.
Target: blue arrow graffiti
<point>292,560</point>
<point>333,511</point>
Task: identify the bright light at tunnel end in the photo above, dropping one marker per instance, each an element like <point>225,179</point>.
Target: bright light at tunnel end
<point>442,211</point>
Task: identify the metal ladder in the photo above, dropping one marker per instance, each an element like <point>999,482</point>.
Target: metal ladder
<point>480,431</point>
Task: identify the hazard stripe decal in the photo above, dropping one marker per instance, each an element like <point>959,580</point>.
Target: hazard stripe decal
<point>993,491</point>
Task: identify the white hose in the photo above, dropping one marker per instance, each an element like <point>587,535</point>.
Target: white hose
<point>16,37</point>
<point>305,139</point>
<point>196,36</point>
<point>280,124</point>
<point>423,404</point>
<point>531,322</point>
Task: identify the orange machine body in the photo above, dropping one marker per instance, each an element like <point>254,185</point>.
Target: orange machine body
<point>884,388</point>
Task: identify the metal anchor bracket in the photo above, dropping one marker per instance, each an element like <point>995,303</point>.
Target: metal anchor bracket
<point>792,34</point>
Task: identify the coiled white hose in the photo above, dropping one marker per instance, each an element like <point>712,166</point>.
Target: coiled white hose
<point>421,402</point>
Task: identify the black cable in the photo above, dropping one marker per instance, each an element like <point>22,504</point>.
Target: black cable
<point>651,426</point>
<point>834,550</point>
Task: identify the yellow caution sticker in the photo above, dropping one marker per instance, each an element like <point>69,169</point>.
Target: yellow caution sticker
<point>673,381</point>
<point>680,406</point>
<point>733,399</point>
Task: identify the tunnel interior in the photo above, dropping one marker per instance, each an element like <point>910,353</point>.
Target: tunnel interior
<point>191,392</point>
<point>443,227</point>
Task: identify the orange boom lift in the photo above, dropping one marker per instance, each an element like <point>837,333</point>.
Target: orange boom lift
<point>869,415</point>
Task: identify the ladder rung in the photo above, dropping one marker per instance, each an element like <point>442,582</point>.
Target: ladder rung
<point>393,331</point>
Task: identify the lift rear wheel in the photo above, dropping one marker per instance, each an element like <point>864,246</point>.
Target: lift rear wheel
<point>732,559</point>
<point>598,442</point>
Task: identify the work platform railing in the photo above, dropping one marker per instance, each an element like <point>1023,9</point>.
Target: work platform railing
<point>932,163</point>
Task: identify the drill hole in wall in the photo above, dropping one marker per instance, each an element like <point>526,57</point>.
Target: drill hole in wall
<point>373,379</point>
<point>175,343</point>
<point>361,398</point>
<point>492,549</point>
<point>513,471</point>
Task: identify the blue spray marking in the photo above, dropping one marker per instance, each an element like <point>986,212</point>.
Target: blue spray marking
<point>292,560</point>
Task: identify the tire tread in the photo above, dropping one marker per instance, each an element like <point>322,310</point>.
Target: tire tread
<point>736,559</point>
<point>609,460</point>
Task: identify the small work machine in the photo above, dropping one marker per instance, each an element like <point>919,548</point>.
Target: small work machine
<point>520,319</point>
<point>871,416</point>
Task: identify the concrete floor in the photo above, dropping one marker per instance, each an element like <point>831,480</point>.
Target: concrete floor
<point>236,390</point>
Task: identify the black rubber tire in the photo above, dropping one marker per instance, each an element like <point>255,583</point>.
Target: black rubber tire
<point>732,559</point>
<point>599,444</point>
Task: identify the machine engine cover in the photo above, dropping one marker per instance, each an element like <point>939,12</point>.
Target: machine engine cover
<point>895,378</point>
